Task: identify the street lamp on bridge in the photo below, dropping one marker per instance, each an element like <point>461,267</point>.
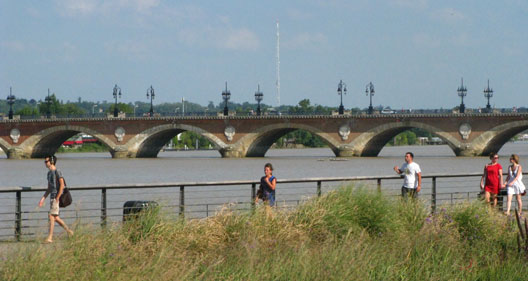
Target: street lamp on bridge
<point>369,91</point>
<point>11,100</point>
<point>341,89</point>
<point>488,93</point>
<point>462,92</point>
<point>226,95</point>
<point>48,101</point>
<point>258,97</point>
<point>116,94</point>
<point>150,93</point>
<point>93,110</point>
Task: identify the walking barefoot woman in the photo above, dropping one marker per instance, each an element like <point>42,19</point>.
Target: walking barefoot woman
<point>491,181</point>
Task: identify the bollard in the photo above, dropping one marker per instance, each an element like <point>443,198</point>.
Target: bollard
<point>318,188</point>
<point>131,208</point>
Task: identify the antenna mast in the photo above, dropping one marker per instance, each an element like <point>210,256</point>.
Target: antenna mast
<point>278,66</point>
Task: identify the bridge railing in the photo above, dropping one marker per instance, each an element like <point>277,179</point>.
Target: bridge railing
<point>268,114</point>
<point>20,218</point>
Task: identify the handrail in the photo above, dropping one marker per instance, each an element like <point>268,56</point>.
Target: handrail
<point>183,207</point>
<point>235,182</point>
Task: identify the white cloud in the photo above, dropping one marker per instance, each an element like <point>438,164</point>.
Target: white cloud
<point>410,3</point>
<point>16,46</point>
<point>298,15</point>
<point>240,39</point>
<point>142,6</point>
<point>220,37</point>
<point>129,49</point>
<point>71,8</point>
<point>306,40</point>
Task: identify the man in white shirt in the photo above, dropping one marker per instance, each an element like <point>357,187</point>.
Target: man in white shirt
<point>412,176</point>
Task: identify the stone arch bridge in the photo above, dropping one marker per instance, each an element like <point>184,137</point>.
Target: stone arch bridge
<point>252,136</point>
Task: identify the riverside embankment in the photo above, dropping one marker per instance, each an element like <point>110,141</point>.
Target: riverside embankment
<point>348,234</point>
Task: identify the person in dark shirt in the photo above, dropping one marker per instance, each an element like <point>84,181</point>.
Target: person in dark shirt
<point>268,183</point>
<point>55,189</point>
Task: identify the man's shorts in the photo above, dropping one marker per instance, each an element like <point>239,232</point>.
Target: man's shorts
<point>54,207</point>
<point>409,192</point>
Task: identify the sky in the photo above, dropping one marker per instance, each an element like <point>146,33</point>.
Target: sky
<point>415,52</point>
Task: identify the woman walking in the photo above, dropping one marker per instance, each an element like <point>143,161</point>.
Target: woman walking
<point>268,183</point>
<point>514,183</point>
<point>491,181</point>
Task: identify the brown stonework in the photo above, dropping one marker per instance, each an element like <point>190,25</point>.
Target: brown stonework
<point>252,136</point>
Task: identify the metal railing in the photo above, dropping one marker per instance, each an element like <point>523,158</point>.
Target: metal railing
<point>100,204</point>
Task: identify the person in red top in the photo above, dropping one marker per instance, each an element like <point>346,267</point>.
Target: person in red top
<point>491,181</point>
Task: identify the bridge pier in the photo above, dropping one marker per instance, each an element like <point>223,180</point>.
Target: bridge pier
<point>120,152</point>
<point>344,151</point>
<point>231,152</point>
<point>17,153</point>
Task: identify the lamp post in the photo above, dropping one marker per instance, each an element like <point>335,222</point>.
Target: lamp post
<point>116,94</point>
<point>93,110</point>
<point>369,91</point>
<point>258,97</point>
<point>341,89</point>
<point>150,93</point>
<point>226,95</point>
<point>48,101</point>
<point>462,92</point>
<point>10,100</point>
<point>488,93</point>
<point>135,106</point>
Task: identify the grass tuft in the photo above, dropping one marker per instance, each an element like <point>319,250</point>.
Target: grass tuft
<point>353,233</point>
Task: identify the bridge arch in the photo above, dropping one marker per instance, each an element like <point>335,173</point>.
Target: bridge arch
<point>150,142</point>
<point>258,142</point>
<point>372,142</point>
<point>494,139</point>
<point>49,140</point>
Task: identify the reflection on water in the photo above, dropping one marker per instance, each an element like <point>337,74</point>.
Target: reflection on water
<point>100,168</point>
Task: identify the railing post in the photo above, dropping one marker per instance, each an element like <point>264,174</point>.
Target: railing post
<point>182,201</point>
<point>253,194</point>
<point>379,185</point>
<point>103,207</point>
<point>433,195</point>
<point>18,216</point>
<point>318,188</point>
<point>500,201</point>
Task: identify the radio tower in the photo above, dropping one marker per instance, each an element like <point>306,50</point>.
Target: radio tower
<point>278,67</point>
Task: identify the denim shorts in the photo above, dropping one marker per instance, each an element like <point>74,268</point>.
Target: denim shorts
<point>270,198</point>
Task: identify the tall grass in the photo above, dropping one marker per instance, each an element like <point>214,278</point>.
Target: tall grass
<point>349,234</point>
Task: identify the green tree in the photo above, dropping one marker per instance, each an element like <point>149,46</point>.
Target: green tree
<point>27,111</point>
<point>121,107</point>
<point>189,139</point>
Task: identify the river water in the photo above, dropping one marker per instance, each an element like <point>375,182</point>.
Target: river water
<point>177,166</point>
<point>198,166</point>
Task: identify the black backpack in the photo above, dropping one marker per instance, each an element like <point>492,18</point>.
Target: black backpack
<point>66,199</point>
